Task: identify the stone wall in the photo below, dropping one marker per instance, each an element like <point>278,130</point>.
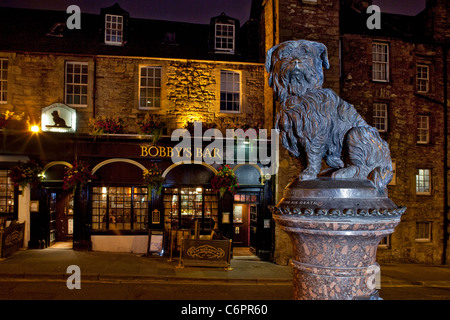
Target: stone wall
<point>403,107</point>
<point>190,90</point>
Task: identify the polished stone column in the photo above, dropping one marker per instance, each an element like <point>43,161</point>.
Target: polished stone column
<point>335,226</point>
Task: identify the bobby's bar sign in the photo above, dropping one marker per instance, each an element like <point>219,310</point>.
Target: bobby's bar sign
<point>238,146</point>
<point>153,151</point>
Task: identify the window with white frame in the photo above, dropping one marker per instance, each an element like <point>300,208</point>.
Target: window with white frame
<point>3,80</point>
<point>113,29</point>
<point>422,78</point>
<point>230,91</point>
<point>380,62</point>
<point>380,117</point>
<point>423,231</point>
<point>423,129</point>
<point>423,181</point>
<point>76,89</point>
<point>224,40</point>
<point>150,87</point>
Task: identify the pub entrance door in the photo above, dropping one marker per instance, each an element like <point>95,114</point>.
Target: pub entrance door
<point>61,216</point>
<point>244,220</point>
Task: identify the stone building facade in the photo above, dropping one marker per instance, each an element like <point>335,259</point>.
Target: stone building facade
<point>407,103</point>
<point>124,69</point>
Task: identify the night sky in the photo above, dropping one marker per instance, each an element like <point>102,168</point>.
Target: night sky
<point>195,11</point>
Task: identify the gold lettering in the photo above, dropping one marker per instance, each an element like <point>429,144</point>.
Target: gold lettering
<point>144,151</point>
<point>216,153</point>
<point>199,152</point>
<point>162,152</point>
<point>179,151</point>
<point>150,151</point>
<point>169,152</point>
<point>188,152</point>
<point>207,153</point>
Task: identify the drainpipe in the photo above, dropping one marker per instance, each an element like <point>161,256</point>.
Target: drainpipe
<point>445,64</point>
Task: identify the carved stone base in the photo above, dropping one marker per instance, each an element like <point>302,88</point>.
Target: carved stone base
<point>335,227</point>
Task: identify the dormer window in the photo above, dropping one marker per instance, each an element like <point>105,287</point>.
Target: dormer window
<point>224,34</point>
<point>113,29</point>
<point>225,38</point>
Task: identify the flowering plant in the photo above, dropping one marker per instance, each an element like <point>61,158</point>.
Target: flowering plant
<point>10,120</point>
<point>26,173</point>
<point>149,125</point>
<point>106,125</point>
<point>78,175</point>
<point>225,180</point>
<point>153,178</point>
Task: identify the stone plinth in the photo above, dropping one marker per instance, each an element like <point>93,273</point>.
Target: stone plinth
<point>335,226</point>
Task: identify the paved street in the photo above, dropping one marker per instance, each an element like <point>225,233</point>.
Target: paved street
<point>43,275</point>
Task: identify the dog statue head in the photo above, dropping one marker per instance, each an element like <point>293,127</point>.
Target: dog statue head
<point>295,67</point>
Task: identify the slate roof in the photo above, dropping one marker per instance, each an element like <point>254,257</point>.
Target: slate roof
<point>392,25</point>
<point>27,30</point>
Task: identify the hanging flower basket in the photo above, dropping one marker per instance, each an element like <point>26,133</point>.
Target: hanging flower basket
<point>11,121</point>
<point>153,178</point>
<point>26,173</point>
<point>150,126</point>
<point>105,125</point>
<point>76,176</point>
<point>225,180</point>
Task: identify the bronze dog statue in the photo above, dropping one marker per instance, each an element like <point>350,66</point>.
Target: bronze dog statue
<point>317,123</point>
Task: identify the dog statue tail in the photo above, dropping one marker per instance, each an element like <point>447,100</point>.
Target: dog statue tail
<point>370,154</point>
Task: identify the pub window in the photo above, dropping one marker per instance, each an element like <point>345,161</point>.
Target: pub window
<point>230,91</point>
<point>423,181</point>
<point>184,206</point>
<point>76,84</point>
<point>3,80</point>
<point>423,129</point>
<point>119,208</point>
<point>422,78</point>
<point>423,231</point>
<point>224,40</point>
<point>150,88</point>
<point>380,62</point>
<point>113,29</point>
<point>380,116</point>
<point>6,193</point>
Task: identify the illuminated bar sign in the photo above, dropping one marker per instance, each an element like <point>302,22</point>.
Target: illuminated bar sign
<point>153,151</point>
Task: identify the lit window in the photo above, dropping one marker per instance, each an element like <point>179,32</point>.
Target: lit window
<point>423,129</point>
<point>380,116</point>
<point>150,88</point>
<point>422,78</point>
<point>423,181</point>
<point>113,29</point>
<point>380,62</point>
<point>76,83</point>
<point>119,208</point>
<point>3,79</point>
<point>6,193</point>
<point>230,91</point>
<point>423,231</point>
<point>224,37</point>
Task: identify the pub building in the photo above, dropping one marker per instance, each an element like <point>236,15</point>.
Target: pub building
<point>65,82</point>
